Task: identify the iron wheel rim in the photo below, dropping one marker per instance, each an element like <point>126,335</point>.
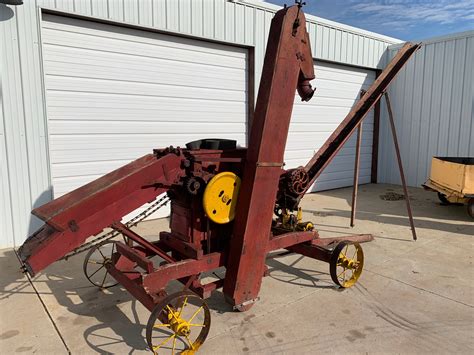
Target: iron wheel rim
<point>346,258</point>
<point>102,258</point>
<point>176,302</point>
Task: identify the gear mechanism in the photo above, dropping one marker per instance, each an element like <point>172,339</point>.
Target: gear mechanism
<point>297,180</point>
<point>193,185</point>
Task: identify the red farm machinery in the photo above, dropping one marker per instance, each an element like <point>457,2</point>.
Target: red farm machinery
<point>230,206</point>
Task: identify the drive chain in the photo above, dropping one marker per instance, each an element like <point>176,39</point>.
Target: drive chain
<point>155,206</point>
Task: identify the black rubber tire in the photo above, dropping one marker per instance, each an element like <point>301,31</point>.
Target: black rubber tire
<point>470,207</point>
<point>443,199</point>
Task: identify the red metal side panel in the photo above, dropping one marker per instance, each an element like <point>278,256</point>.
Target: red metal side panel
<point>71,219</point>
<point>96,195</point>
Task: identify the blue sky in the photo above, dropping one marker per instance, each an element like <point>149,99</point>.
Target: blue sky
<point>406,20</point>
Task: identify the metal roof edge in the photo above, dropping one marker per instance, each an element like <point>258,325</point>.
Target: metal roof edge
<point>356,30</point>
<point>443,38</point>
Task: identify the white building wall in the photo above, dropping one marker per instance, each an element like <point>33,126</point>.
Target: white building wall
<point>432,99</point>
<point>25,176</point>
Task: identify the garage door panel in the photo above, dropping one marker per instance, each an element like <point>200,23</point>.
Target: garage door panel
<point>132,128</point>
<point>96,29</point>
<point>82,153</point>
<point>342,73</point>
<point>124,48</point>
<point>59,51</point>
<point>303,142</point>
<point>64,185</point>
<point>345,175</point>
<point>141,104</point>
<point>337,91</point>
<point>89,63</point>
<point>86,168</point>
<point>147,97</point>
<point>113,94</point>
<point>343,182</point>
<point>345,163</point>
<point>325,127</point>
<point>304,155</point>
<point>64,71</point>
<point>298,147</point>
<point>186,114</point>
<point>136,50</point>
<point>326,115</point>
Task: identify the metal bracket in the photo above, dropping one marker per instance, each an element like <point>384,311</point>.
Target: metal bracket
<point>270,164</point>
<point>240,307</point>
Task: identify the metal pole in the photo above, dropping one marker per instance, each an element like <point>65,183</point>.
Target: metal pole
<point>356,169</point>
<point>400,166</point>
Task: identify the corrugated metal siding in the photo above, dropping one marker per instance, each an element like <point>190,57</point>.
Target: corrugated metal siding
<point>432,100</point>
<point>27,179</point>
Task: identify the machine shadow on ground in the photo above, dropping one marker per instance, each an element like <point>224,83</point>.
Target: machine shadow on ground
<point>112,317</point>
<point>428,211</point>
<point>106,320</point>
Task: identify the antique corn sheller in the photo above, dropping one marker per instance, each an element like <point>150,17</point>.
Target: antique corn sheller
<point>230,206</point>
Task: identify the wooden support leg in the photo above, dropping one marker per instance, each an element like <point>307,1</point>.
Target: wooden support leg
<point>400,165</point>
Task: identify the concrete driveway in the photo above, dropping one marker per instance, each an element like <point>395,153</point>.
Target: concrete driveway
<point>413,297</point>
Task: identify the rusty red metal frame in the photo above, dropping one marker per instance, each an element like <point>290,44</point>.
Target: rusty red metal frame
<point>288,65</point>
<point>356,168</point>
<point>194,245</point>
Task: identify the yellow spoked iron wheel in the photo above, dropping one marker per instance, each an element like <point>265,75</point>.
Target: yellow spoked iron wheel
<point>347,262</point>
<point>179,324</point>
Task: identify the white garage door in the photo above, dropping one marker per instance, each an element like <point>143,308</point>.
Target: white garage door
<point>114,93</point>
<point>337,90</point>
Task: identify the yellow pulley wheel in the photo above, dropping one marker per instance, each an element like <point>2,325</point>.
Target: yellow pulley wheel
<point>220,197</point>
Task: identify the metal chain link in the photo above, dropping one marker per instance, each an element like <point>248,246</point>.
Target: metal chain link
<point>155,206</point>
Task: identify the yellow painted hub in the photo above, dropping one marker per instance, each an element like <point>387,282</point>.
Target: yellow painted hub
<point>179,325</point>
<point>350,268</point>
<point>220,197</point>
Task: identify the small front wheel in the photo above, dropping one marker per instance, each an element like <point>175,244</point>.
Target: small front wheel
<point>346,264</point>
<point>95,265</point>
<point>470,207</point>
<point>444,200</point>
<point>179,324</point>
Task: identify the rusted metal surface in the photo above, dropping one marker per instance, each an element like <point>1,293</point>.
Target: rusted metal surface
<point>355,238</point>
<point>195,244</point>
<point>343,132</point>
<point>288,65</point>
<point>135,256</point>
<point>375,140</point>
<point>355,188</point>
<point>94,207</point>
<point>287,239</point>
<point>157,280</point>
<point>133,286</point>
<point>93,197</point>
<point>400,166</point>
<point>337,139</point>
<point>141,241</point>
<point>311,251</point>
